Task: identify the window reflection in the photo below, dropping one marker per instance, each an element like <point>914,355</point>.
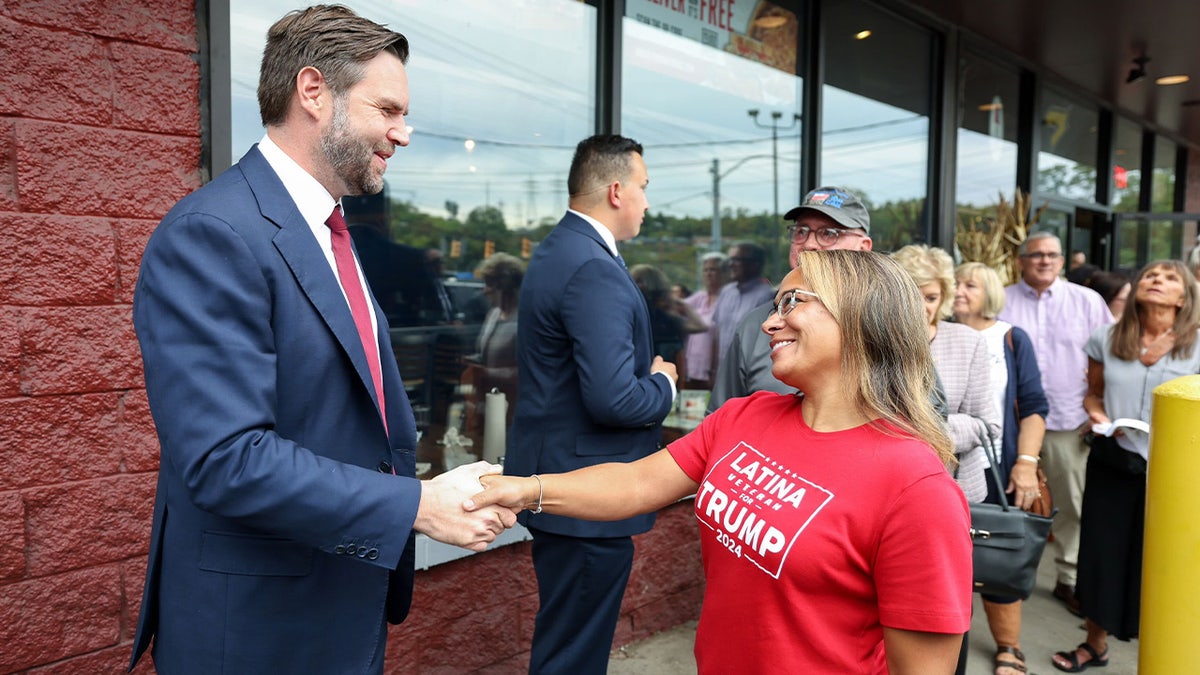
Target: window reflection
<point>875,116</point>
<point>1067,156</point>
<point>1162,198</point>
<point>688,87</point>
<point>501,92</point>
<point>987,138</point>
<point>1127,166</point>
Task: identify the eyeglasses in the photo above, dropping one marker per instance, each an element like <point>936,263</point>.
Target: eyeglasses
<point>1041,256</point>
<point>826,236</point>
<point>789,300</point>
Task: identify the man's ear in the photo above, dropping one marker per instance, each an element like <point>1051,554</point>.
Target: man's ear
<point>614,194</point>
<point>311,90</point>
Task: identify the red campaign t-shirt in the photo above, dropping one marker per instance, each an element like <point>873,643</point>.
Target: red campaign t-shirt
<point>813,542</point>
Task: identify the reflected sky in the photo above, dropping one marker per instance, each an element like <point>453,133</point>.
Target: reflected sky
<point>517,78</point>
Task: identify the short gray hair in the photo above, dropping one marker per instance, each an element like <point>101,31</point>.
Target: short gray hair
<point>720,257</point>
<point>1042,234</point>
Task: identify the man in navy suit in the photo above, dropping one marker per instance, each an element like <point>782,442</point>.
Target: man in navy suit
<point>286,507</point>
<point>591,391</point>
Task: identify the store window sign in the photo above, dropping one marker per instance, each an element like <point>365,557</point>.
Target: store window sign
<point>1120,177</point>
<point>760,31</point>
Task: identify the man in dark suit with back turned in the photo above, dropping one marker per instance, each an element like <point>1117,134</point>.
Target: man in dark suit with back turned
<point>282,537</point>
<point>591,391</point>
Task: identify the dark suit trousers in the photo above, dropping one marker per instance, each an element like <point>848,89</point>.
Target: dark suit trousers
<point>580,585</point>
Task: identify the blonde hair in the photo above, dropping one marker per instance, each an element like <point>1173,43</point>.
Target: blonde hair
<point>989,280</point>
<point>885,340</point>
<point>927,265</point>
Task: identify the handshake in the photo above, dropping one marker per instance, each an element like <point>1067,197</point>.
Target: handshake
<point>442,516</point>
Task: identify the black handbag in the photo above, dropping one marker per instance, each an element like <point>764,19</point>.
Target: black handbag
<point>1006,542</point>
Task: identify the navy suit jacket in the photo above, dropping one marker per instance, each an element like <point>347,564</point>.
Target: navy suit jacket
<point>278,544</point>
<point>583,360</point>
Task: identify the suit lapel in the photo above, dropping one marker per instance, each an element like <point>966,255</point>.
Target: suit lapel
<point>303,256</point>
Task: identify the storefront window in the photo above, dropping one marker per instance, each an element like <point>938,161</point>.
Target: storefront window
<point>1166,237</point>
<point>501,92</point>
<point>987,139</point>
<point>714,96</point>
<point>1162,197</point>
<point>875,116</point>
<point>1127,166</point>
<point>1067,157</point>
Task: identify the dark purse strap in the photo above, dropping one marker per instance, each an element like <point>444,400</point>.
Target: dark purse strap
<point>989,449</point>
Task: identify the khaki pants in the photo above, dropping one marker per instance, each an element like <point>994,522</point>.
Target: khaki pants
<point>1064,459</point>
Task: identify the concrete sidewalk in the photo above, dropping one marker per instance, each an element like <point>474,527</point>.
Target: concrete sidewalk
<point>1047,627</point>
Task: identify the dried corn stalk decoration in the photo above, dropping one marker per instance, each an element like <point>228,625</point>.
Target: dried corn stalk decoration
<point>994,239</point>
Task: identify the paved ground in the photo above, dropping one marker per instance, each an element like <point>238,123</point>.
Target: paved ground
<point>1047,628</point>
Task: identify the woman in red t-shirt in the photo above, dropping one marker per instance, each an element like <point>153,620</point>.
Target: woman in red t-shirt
<point>834,539</point>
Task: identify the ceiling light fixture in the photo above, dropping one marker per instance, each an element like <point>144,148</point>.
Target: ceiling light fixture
<point>862,35</point>
<point>1138,71</point>
<point>1172,79</point>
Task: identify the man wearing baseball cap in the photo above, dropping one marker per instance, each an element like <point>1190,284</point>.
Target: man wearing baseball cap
<point>827,218</point>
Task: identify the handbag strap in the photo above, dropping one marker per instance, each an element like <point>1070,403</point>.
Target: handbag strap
<point>989,449</point>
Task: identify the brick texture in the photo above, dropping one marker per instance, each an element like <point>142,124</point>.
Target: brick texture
<point>8,158</point>
<point>77,525</point>
<point>48,619</point>
<point>170,25</point>
<point>10,353</point>
<point>51,64</point>
<point>99,135</point>
<point>116,172</point>
<point>56,260</point>
<point>454,611</point>
<point>12,537</point>
<point>100,123</point>
<point>78,433</point>
<point>79,349</point>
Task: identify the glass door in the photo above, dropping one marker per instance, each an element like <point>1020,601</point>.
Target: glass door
<point>1142,237</point>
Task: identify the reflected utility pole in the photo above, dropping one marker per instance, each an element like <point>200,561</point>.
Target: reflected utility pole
<point>717,174</point>
<point>774,126</point>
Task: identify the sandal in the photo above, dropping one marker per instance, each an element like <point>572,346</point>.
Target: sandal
<point>1098,660</point>
<point>1018,665</point>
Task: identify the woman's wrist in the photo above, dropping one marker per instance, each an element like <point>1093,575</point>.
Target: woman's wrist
<point>537,505</point>
<point>1031,459</point>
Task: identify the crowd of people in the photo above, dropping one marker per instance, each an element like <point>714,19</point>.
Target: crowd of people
<point>851,405</point>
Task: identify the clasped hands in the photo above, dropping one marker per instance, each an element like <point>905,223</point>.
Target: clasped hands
<point>442,516</point>
<point>472,504</point>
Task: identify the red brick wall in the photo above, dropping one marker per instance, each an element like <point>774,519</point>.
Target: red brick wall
<point>477,612</point>
<point>99,135</point>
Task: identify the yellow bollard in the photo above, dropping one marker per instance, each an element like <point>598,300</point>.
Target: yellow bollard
<point>1171,555</point>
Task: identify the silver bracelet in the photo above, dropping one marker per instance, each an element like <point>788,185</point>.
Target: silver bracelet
<point>539,504</point>
<point>1029,458</point>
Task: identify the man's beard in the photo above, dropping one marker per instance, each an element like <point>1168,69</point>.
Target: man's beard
<point>349,156</point>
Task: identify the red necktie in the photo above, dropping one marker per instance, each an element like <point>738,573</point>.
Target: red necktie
<point>348,275</point>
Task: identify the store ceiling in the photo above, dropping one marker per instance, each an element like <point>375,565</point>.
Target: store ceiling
<point>1092,43</point>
